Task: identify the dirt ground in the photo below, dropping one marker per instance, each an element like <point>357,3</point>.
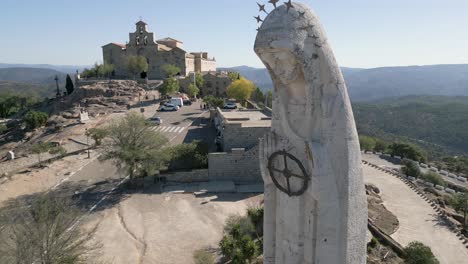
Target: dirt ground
<point>165,228</point>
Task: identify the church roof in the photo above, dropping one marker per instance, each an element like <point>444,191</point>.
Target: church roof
<point>141,22</point>
<point>116,44</point>
<point>169,39</point>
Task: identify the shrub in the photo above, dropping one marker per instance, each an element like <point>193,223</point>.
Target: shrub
<point>255,215</point>
<point>242,223</point>
<point>366,143</point>
<point>189,156</point>
<point>3,128</point>
<point>418,253</point>
<point>434,178</point>
<point>410,168</point>
<point>58,150</point>
<point>35,119</point>
<point>97,134</point>
<point>201,256</point>
<point>238,248</point>
<point>372,244</point>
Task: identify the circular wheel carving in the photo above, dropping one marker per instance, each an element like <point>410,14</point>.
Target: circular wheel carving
<point>282,177</point>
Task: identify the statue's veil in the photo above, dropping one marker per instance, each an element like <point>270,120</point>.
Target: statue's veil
<point>296,34</point>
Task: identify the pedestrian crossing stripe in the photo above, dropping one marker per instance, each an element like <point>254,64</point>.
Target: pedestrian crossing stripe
<point>168,129</point>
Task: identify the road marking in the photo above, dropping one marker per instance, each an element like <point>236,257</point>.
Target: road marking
<point>180,129</point>
<point>171,129</point>
<point>164,129</point>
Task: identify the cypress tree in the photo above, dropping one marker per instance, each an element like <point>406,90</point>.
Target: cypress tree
<point>69,85</point>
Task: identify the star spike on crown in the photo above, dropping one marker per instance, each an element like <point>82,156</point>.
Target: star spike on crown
<point>261,8</point>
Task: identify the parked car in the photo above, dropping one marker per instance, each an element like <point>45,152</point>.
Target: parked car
<point>187,102</point>
<point>230,105</point>
<point>177,101</point>
<point>168,107</point>
<point>155,120</point>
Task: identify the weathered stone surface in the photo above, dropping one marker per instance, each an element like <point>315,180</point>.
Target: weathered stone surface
<point>320,216</point>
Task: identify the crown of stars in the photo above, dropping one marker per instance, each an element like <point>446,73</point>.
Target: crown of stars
<point>288,4</point>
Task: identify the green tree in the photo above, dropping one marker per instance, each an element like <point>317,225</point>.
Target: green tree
<point>132,144</point>
<point>213,101</point>
<point>240,89</point>
<point>45,232</point>
<point>380,145</point>
<point>199,81</point>
<point>105,70</point>
<point>367,143</point>
<point>3,128</point>
<point>193,155</point>
<point>234,76</point>
<point>39,149</point>
<point>34,119</point>
<point>69,85</point>
<point>192,90</point>
<point>410,168</point>
<point>408,151</point>
<point>170,86</point>
<point>136,65</point>
<point>418,253</point>
<point>269,98</point>
<point>460,204</point>
<point>97,134</point>
<point>257,96</point>
<point>170,70</point>
<point>434,178</point>
<point>87,73</point>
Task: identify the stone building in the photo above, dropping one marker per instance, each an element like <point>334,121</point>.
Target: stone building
<point>214,83</point>
<point>157,53</point>
<point>239,133</point>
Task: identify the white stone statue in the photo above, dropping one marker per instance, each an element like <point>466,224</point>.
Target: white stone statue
<point>315,201</point>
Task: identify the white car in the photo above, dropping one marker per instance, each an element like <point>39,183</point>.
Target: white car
<point>155,120</point>
<point>168,107</point>
<point>230,105</point>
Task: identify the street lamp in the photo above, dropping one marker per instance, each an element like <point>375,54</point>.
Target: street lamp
<point>87,142</point>
<point>56,82</point>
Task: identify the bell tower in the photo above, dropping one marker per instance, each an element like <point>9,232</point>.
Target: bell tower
<point>141,37</point>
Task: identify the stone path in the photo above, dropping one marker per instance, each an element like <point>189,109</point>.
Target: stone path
<point>418,220</point>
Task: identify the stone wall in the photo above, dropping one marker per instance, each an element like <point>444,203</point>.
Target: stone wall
<point>187,176</point>
<point>235,136</point>
<point>239,166</point>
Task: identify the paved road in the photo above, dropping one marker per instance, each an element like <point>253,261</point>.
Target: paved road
<point>375,159</point>
<point>417,219</point>
<point>94,181</point>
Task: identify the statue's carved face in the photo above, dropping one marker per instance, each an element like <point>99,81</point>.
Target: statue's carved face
<point>290,90</point>
<point>283,63</point>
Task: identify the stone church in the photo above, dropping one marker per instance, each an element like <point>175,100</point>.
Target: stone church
<point>157,53</point>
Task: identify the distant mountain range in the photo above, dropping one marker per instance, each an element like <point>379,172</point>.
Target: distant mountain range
<point>61,68</point>
<point>32,81</point>
<point>385,82</point>
<point>363,84</point>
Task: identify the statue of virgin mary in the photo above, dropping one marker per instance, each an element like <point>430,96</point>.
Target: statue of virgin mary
<point>315,201</point>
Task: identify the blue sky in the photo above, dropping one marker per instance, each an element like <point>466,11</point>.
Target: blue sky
<point>363,33</point>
